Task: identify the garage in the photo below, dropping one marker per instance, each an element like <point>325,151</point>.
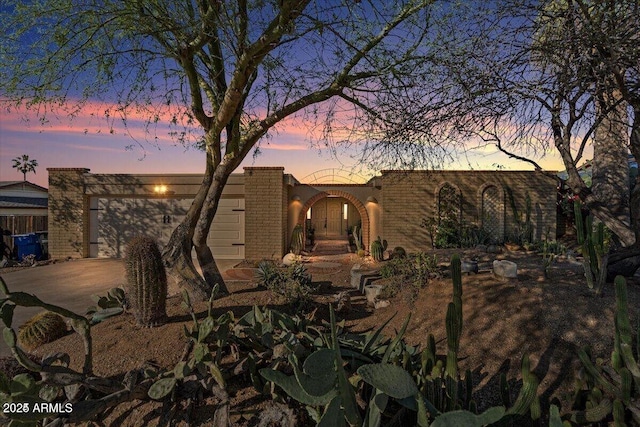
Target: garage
<point>113,221</point>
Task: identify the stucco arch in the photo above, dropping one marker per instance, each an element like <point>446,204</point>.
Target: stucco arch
<point>364,216</point>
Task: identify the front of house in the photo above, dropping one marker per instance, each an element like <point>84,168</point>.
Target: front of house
<point>94,215</point>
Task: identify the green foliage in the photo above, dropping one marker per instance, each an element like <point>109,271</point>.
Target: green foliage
<point>398,252</point>
<point>292,284</point>
<point>454,233</point>
<point>202,366</point>
<point>550,250</point>
<point>377,249</point>
<point>469,419</point>
<point>23,389</point>
<point>412,271</point>
<point>595,249</point>
<point>146,287</point>
<point>522,232</point>
<point>42,328</point>
<point>297,240</point>
<point>24,165</point>
<point>106,306</point>
<point>611,393</point>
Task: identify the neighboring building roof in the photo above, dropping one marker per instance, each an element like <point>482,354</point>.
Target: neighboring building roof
<point>9,184</point>
<point>23,202</point>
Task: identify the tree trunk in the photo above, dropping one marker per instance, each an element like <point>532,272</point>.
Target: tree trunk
<point>634,202</point>
<point>610,175</point>
<point>177,253</point>
<point>205,257</point>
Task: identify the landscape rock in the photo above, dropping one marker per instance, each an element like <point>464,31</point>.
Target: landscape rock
<point>343,302</point>
<point>381,304</point>
<point>494,249</point>
<point>372,292</point>
<point>505,269</point>
<point>469,267</point>
<point>290,258</point>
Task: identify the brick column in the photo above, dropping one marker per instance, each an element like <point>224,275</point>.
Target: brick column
<point>68,213</point>
<point>265,212</point>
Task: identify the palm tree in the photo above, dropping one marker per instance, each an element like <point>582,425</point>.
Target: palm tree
<point>24,165</point>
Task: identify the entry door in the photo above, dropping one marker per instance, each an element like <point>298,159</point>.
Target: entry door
<point>334,217</point>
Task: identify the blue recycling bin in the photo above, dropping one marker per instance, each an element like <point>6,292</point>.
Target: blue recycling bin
<point>28,244</point>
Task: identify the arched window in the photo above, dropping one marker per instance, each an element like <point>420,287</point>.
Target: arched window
<point>493,213</point>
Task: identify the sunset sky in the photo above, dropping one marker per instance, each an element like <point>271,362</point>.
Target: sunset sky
<point>86,142</point>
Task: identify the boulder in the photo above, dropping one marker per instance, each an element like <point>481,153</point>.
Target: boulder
<point>372,292</point>
<point>505,269</point>
<point>381,304</point>
<point>494,249</point>
<point>469,267</point>
<point>290,258</point>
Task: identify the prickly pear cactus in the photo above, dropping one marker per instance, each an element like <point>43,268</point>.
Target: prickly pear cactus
<point>297,240</point>
<point>146,287</point>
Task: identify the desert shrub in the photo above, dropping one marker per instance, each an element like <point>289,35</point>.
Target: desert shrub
<point>453,233</point>
<point>412,272</point>
<point>398,252</point>
<point>291,284</point>
<point>42,328</point>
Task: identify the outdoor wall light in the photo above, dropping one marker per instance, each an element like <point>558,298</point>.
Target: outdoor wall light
<point>160,189</point>
<point>296,198</point>
<point>372,199</point>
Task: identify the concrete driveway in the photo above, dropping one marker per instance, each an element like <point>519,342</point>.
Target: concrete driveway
<point>69,284</point>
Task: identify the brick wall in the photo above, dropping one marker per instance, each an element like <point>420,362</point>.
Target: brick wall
<point>408,197</point>
<point>68,213</point>
<point>266,198</point>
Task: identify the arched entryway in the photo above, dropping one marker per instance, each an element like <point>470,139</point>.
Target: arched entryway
<point>332,214</point>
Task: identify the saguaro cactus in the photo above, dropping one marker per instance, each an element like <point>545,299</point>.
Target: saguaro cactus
<point>146,287</point>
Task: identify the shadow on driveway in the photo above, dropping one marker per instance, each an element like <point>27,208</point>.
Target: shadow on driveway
<point>67,284</point>
<point>70,285</point>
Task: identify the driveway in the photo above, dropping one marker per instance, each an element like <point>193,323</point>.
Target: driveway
<point>69,284</point>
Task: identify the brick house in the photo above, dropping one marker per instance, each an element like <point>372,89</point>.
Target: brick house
<point>94,215</point>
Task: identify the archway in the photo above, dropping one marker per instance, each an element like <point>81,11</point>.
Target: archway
<point>364,216</point>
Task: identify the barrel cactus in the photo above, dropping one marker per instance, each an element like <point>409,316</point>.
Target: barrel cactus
<point>42,328</point>
<point>297,240</point>
<point>146,288</point>
<point>377,249</point>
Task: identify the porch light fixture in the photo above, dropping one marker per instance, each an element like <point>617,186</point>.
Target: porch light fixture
<point>372,199</point>
<point>160,189</point>
<point>296,198</point>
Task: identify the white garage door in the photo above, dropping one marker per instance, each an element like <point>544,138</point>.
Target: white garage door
<point>114,221</point>
<point>226,235</point>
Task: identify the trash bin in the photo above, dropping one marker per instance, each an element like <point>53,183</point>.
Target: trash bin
<point>28,244</point>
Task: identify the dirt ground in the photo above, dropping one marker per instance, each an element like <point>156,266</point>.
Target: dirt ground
<point>546,318</point>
